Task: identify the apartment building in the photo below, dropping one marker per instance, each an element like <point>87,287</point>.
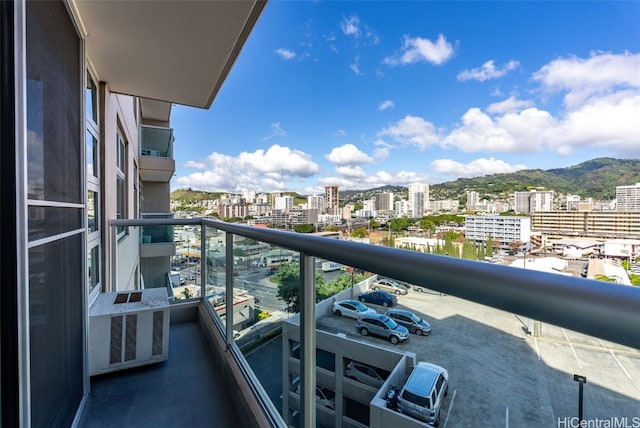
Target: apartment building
<point>533,201</point>
<point>503,229</point>
<point>85,122</point>
<point>444,205</point>
<point>592,224</point>
<point>473,198</point>
<point>384,201</point>
<point>332,200</point>
<point>628,198</point>
<point>316,202</point>
<point>418,198</point>
<point>294,217</point>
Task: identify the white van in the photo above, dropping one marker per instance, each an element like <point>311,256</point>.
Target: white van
<point>422,394</point>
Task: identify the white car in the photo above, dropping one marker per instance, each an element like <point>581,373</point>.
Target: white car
<point>351,308</point>
<point>365,374</point>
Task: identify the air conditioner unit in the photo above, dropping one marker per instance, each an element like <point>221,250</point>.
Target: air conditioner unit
<point>128,329</point>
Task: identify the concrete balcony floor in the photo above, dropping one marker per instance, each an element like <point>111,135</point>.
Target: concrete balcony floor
<point>183,391</point>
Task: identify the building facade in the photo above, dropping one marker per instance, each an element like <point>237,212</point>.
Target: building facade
<point>503,229</point>
<point>418,198</point>
<point>592,224</point>
<point>628,198</point>
<point>533,201</point>
<point>331,200</point>
<point>86,139</point>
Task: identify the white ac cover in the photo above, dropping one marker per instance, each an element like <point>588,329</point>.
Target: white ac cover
<point>128,329</point>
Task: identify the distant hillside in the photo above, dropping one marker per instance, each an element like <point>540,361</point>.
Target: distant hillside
<point>596,178</point>
<point>189,195</point>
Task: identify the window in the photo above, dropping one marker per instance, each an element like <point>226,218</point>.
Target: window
<point>91,96</point>
<point>93,268</point>
<point>121,180</point>
<point>92,211</point>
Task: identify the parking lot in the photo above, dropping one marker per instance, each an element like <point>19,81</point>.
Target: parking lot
<point>502,376</point>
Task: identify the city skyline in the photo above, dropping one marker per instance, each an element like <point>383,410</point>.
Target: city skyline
<point>331,94</point>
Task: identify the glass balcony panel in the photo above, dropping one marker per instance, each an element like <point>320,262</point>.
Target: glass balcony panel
<point>156,141</point>
<point>186,263</point>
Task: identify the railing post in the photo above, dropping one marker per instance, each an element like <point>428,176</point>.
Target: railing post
<point>307,307</point>
<point>229,286</point>
<point>203,262</point>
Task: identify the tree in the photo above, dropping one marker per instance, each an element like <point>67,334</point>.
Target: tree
<point>360,232</point>
<point>373,223</point>
<point>288,279</point>
<point>304,228</point>
<point>489,247</point>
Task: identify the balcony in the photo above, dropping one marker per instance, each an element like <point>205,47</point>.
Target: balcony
<point>156,154</point>
<point>157,241</point>
<point>470,300</point>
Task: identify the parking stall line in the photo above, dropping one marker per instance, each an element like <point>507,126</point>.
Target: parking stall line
<point>616,358</point>
<point>506,418</point>
<point>535,340</point>
<point>572,348</point>
<point>453,397</point>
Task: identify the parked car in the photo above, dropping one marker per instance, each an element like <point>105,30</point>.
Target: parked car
<point>421,396</point>
<point>366,374</point>
<point>324,397</point>
<point>411,321</point>
<point>389,285</point>
<point>378,297</point>
<point>351,308</point>
<point>382,326</point>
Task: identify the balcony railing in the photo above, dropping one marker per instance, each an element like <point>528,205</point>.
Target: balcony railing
<point>606,311</point>
<point>156,141</point>
<point>153,234</point>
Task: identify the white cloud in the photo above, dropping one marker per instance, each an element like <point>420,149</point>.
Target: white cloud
<point>509,105</point>
<point>412,130</point>
<point>276,131</point>
<point>418,49</point>
<point>285,53</point>
<point>350,171</point>
<point>380,178</point>
<point>259,170</point>
<point>348,155</point>
<point>386,104</point>
<point>600,74</point>
<point>524,131</point>
<point>195,165</point>
<point>381,153</point>
<point>351,26</point>
<point>487,71</point>
<point>476,168</point>
<point>340,133</point>
<point>355,67</point>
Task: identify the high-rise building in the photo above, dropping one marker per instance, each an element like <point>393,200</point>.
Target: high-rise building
<point>419,199</point>
<point>473,198</point>
<point>628,198</point>
<point>533,201</point>
<point>384,201</point>
<point>331,200</point>
<point>316,202</point>
<point>283,203</point>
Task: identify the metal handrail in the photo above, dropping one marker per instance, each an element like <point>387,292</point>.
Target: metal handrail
<point>605,310</point>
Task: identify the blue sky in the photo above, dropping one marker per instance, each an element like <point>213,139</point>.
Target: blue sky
<point>364,94</point>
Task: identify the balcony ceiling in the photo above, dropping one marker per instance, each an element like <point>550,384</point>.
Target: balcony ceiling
<point>173,51</point>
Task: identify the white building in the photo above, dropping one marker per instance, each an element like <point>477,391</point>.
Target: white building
<point>403,208</point>
<point>283,203</point>
<point>628,198</point>
<point>504,229</point>
<point>533,201</point>
<point>316,202</point>
<point>331,200</point>
<point>418,198</point>
<point>473,198</point>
